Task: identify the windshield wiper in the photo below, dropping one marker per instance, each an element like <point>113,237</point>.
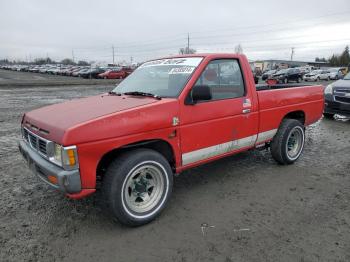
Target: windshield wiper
<point>114,93</point>
<point>138,93</point>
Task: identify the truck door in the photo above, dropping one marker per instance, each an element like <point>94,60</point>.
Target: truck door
<point>223,124</point>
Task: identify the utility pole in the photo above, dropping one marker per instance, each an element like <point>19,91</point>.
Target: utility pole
<point>131,59</point>
<point>292,54</point>
<point>73,55</point>
<point>188,44</point>
<point>113,53</point>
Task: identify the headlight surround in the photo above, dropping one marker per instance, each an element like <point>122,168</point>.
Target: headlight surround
<point>328,90</point>
<point>66,157</point>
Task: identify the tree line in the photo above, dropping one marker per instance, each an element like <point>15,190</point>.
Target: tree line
<point>47,60</point>
<point>342,59</point>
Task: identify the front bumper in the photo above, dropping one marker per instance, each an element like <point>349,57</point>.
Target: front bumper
<point>335,107</point>
<point>67,181</point>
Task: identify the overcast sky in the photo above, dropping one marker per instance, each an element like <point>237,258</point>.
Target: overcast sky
<point>154,28</point>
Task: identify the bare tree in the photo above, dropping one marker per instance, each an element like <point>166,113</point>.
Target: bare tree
<point>186,50</point>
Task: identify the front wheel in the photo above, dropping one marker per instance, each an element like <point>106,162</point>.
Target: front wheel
<point>288,143</point>
<point>137,186</point>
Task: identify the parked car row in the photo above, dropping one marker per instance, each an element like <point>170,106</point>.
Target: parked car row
<point>329,74</point>
<point>299,74</point>
<point>76,71</point>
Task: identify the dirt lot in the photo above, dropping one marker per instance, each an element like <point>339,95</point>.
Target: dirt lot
<point>256,210</point>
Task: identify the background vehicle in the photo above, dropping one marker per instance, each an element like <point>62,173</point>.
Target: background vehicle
<point>169,115</point>
<point>117,73</point>
<point>324,75</point>
<point>92,73</point>
<point>268,74</point>
<point>313,75</point>
<point>335,73</point>
<point>287,75</point>
<point>80,71</point>
<point>337,98</point>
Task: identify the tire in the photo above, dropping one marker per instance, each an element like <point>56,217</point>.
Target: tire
<point>299,80</point>
<point>288,143</point>
<point>328,115</point>
<point>132,197</point>
<point>285,80</point>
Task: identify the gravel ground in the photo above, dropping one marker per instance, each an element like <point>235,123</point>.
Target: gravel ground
<point>253,209</point>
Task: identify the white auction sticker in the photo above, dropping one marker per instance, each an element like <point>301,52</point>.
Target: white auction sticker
<point>186,61</point>
<point>182,70</point>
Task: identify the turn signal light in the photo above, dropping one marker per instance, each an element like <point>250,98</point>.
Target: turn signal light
<point>71,157</point>
<point>52,179</point>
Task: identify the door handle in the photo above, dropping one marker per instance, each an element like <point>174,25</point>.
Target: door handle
<point>246,111</point>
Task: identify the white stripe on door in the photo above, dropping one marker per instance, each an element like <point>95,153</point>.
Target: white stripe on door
<point>208,152</point>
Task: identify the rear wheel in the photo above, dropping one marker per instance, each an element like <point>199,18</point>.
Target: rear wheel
<point>137,186</point>
<point>288,143</point>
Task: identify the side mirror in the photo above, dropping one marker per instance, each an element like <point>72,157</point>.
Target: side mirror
<point>198,93</point>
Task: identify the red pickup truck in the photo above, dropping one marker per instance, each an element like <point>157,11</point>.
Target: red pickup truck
<point>169,115</point>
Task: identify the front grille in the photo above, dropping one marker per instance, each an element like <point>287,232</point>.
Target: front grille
<point>36,142</point>
<point>42,147</point>
<point>342,95</point>
<point>342,99</point>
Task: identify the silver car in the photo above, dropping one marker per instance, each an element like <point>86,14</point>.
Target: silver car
<point>313,75</point>
<point>325,75</point>
<point>335,73</point>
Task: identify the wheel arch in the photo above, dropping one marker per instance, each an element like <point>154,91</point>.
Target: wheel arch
<point>297,115</point>
<point>159,145</point>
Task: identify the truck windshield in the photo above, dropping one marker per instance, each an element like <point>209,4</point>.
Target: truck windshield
<point>164,77</point>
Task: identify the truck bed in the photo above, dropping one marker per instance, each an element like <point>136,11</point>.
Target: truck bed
<point>276,101</point>
<point>260,87</point>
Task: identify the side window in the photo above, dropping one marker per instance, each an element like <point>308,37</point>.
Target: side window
<point>224,78</point>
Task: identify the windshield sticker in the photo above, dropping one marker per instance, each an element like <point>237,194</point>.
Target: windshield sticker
<point>189,62</point>
<point>182,70</point>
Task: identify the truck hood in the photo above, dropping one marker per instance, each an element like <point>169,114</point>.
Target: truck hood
<point>52,122</point>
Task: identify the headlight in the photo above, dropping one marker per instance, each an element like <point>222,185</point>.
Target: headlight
<point>57,154</point>
<point>328,90</point>
<point>66,157</point>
